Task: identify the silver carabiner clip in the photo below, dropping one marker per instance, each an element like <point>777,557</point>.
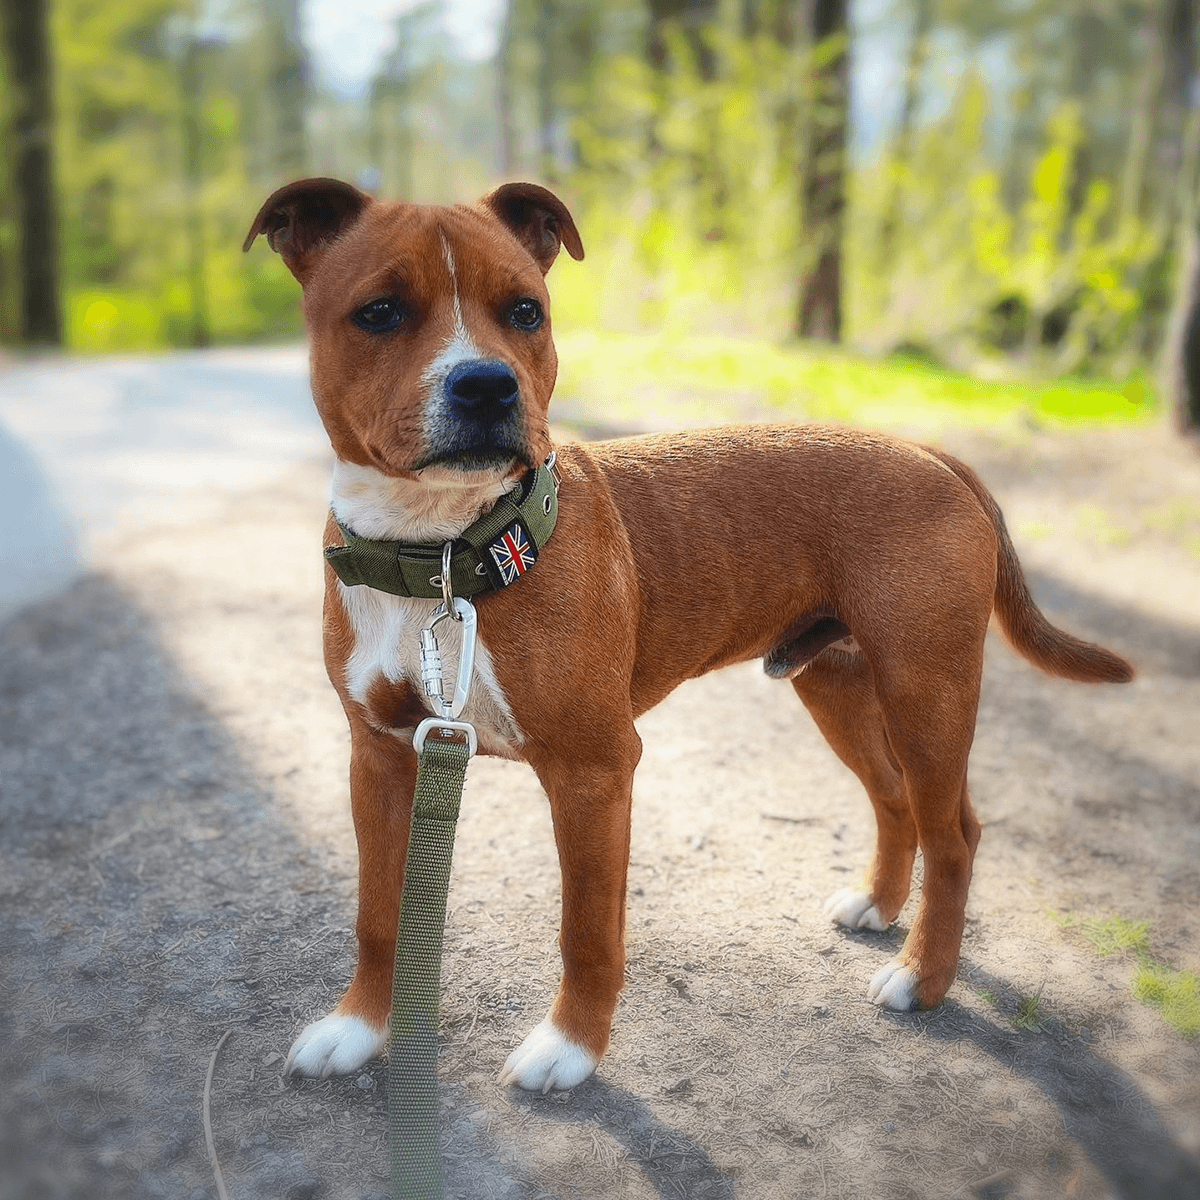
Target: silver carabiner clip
<point>462,611</point>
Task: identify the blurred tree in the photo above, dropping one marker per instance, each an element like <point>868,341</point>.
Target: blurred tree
<point>1181,355</point>
<point>192,128</point>
<point>547,62</point>
<point>1146,84</point>
<point>505,86</point>
<point>28,70</point>
<point>9,322</point>
<point>922,21</point>
<point>1179,98</point>
<point>691,18</point>
<point>1033,199</point>
<point>1181,141</point>
<point>819,313</point>
<point>687,20</point>
<point>287,88</point>
<point>545,40</point>
<point>409,85</point>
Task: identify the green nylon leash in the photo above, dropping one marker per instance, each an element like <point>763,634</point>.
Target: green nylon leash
<point>416,979</point>
<point>442,757</point>
<point>492,553</point>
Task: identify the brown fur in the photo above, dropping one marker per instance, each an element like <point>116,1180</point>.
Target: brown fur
<point>674,555</point>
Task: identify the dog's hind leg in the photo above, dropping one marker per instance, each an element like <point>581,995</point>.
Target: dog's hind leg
<point>838,690</point>
<point>929,716</point>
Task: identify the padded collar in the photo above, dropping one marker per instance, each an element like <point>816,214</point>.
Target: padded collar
<point>488,555</point>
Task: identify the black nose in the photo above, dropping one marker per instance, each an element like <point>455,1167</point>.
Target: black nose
<point>482,388</point>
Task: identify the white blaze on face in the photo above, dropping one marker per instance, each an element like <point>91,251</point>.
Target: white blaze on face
<point>459,347</point>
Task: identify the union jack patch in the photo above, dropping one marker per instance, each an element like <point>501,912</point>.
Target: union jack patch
<point>513,553</point>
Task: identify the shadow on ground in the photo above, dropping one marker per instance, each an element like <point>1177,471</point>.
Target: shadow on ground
<point>1101,1106</point>
<point>154,897</point>
<point>1154,642</point>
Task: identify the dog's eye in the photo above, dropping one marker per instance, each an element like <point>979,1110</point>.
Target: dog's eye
<point>380,316</point>
<point>526,314</point>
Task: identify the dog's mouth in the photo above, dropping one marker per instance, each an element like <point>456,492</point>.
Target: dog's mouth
<point>493,459</point>
<point>475,447</point>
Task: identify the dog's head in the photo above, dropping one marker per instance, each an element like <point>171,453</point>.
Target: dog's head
<point>429,326</point>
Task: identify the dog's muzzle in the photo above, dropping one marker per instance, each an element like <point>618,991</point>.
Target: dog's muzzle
<point>479,417</point>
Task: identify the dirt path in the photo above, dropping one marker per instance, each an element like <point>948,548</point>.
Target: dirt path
<point>177,861</point>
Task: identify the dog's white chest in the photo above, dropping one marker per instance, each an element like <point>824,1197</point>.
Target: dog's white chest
<point>386,648</point>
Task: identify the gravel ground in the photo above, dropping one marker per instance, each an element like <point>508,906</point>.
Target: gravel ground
<point>178,862</point>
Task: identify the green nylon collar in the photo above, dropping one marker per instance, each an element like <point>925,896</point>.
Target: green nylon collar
<point>488,555</point>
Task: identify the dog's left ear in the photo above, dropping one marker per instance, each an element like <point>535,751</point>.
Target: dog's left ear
<point>301,217</point>
<point>538,219</point>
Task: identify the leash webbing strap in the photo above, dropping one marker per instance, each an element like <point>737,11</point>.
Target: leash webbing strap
<point>413,1044</point>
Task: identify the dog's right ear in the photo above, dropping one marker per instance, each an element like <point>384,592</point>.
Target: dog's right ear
<point>301,217</point>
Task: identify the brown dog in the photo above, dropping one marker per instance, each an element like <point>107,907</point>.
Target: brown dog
<point>862,568</point>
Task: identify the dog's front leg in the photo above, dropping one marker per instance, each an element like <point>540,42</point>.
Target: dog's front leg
<point>383,774</point>
<point>590,805</point>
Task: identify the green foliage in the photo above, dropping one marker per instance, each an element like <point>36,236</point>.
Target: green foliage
<point>692,378</point>
<point>121,176</point>
<point>686,177</point>
<point>689,194</point>
<point>1056,280</point>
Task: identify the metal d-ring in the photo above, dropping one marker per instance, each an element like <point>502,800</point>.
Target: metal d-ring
<point>447,590</point>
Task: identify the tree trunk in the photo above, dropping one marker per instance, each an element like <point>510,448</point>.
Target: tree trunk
<point>27,48</point>
<point>1084,30</point>
<point>691,17</point>
<point>288,89</point>
<point>193,220</point>
<point>902,153</point>
<point>547,160</point>
<point>1141,122</point>
<point>819,312</point>
<point>1181,354</point>
<point>1180,77</point>
<point>504,93</point>
<point>1181,351</point>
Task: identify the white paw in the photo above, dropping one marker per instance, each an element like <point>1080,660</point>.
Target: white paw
<point>894,986</point>
<point>854,910</point>
<point>547,1059</point>
<point>334,1045</point>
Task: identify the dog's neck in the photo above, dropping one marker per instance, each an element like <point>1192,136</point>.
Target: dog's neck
<point>376,505</point>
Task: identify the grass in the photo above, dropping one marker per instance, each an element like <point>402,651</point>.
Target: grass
<point>1109,935</point>
<point>1175,993</point>
<point>1028,1014</point>
<point>684,378</point>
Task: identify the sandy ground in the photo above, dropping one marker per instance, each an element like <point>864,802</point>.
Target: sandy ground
<point>177,860</point>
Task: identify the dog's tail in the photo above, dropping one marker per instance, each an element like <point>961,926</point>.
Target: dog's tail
<point>1020,619</point>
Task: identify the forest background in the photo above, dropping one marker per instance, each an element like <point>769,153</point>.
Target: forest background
<point>1003,189</point>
